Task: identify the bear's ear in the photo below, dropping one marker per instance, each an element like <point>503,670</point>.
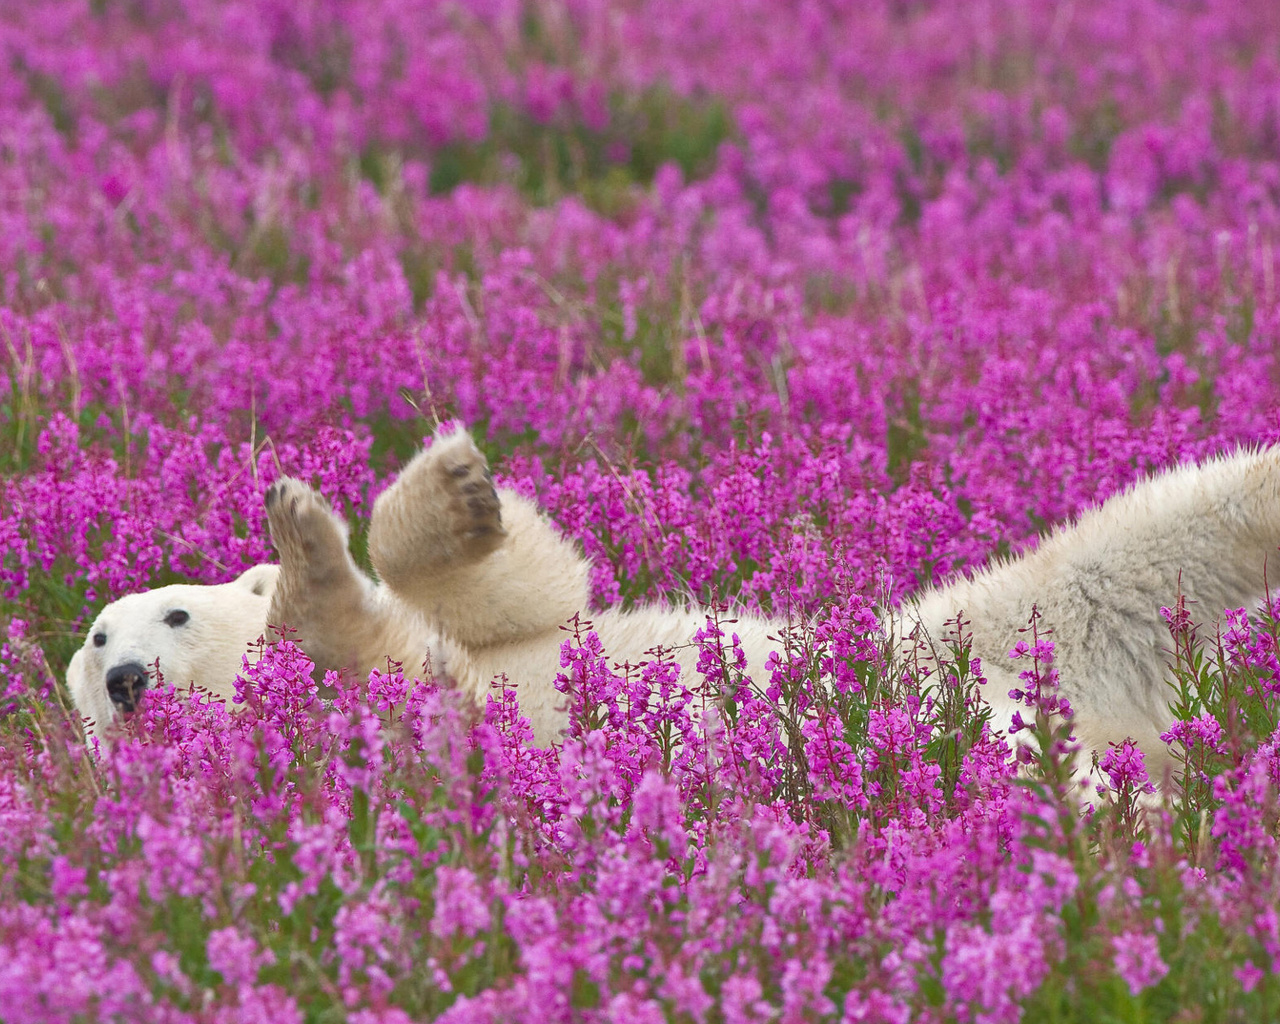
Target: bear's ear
<point>260,580</point>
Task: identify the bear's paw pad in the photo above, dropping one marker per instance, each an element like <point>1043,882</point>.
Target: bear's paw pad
<point>302,523</point>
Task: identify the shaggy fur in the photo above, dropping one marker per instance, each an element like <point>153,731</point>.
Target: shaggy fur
<point>1205,531</point>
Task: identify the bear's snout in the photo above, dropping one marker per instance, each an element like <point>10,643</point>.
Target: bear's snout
<point>125,684</point>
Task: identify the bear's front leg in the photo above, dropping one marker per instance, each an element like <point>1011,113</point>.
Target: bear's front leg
<point>442,513</point>
<point>484,567</point>
<point>321,592</point>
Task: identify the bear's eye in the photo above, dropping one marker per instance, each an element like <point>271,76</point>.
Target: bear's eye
<point>176,618</point>
<point>99,639</point>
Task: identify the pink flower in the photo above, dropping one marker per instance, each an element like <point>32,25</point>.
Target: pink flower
<point>461,906</point>
<point>236,956</point>
<point>1203,729</point>
<point>1125,768</point>
<point>1137,960</point>
<point>1249,975</point>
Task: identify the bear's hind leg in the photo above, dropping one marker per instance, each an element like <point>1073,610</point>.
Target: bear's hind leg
<point>321,592</point>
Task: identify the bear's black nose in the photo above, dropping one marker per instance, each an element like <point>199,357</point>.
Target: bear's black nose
<point>125,684</point>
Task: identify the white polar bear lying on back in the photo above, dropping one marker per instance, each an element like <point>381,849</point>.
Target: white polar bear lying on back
<point>477,582</point>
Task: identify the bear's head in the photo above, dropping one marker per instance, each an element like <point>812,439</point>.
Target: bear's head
<point>196,634</point>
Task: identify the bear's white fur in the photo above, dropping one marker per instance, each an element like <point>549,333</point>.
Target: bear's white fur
<point>204,649</point>
<point>1206,531</point>
<point>477,582</point>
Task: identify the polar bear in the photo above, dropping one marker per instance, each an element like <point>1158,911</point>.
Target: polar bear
<point>195,634</point>
<point>475,582</point>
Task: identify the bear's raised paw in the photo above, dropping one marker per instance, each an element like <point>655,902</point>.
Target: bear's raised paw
<point>442,511</point>
<point>320,592</point>
<point>311,539</point>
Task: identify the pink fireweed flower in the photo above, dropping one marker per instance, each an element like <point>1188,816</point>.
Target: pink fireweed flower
<point>989,973</point>
<point>236,956</point>
<point>1178,619</point>
<point>720,662</point>
<point>1041,691</point>
<point>359,744</point>
<point>834,769</point>
<point>1125,768</point>
<point>1242,822</point>
<point>1249,975</point>
<point>658,813</point>
<point>24,672</point>
<point>321,852</point>
<point>891,731</point>
<point>366,936</point>
<point>66,880</point>
<point>1252,649</point>
<point>385,1015</point>
<point>1136,956</point>
<point>461,905</point>
<point>174,854</point>
<point>1203,730</point>
<point>848,633</point>
<point>592,687</point>
<point>741,1001</point>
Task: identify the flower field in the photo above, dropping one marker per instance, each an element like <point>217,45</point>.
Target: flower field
<point>789,305</point>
